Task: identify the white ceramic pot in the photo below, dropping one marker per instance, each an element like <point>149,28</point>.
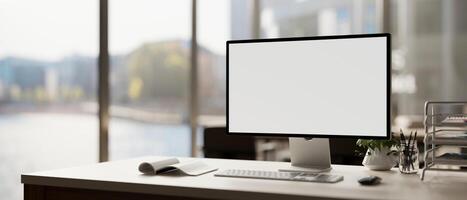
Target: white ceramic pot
<point>379,160</point>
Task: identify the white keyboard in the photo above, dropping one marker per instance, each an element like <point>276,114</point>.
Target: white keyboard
<point>276,175</point>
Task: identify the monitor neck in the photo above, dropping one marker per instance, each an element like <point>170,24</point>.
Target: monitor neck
<point>309,155</point>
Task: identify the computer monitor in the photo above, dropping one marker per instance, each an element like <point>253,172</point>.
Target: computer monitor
<point>310,87</point>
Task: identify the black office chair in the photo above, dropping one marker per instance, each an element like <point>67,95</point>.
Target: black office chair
<point>217,144</point>
<point>344,151</point>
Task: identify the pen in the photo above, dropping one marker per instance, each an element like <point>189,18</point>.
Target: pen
<point>404,151</point>
<point>412,150</point>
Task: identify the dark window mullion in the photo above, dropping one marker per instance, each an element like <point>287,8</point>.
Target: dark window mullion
<point>103,91</point>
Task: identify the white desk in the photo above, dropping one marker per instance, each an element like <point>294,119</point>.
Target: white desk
<point>121,180</point>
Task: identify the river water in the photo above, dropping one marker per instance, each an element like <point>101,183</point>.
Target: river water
<point>43,141</point>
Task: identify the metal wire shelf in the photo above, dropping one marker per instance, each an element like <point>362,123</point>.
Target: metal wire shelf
<point>444,129</point>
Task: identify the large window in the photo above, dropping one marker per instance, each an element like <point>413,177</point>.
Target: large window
<point>48,120</point>
<point>150,60</point>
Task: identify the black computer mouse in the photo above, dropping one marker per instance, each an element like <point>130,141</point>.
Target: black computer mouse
<point>370,180</point>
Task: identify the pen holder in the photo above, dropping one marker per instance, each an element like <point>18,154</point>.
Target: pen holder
<point>408,159</point>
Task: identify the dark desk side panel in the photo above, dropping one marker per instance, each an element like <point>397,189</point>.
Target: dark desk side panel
<point>35,192</point>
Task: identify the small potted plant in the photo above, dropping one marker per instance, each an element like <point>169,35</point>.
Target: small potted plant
<point>380,154</point>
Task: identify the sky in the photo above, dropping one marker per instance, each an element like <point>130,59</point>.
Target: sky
<point>52,29</point>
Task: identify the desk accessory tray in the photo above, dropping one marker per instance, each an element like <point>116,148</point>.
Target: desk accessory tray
<point>446,127</point>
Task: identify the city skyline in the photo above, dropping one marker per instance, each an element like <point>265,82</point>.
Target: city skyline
<point>138,78</point>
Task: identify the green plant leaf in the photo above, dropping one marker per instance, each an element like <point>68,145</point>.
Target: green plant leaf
<point>377,144</point>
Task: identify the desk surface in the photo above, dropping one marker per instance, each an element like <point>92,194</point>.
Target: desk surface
<point>123,176</point>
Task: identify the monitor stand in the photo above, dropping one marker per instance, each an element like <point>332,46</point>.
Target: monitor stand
<point>309,155</point>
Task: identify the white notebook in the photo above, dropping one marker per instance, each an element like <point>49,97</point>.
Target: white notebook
<point>192,168</point>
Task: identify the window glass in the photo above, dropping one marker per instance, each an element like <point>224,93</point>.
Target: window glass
<point>430,40</point>
<point>214,25</point>
<point>48,81</point>
<point>311,18</point>
<point>150,55</point>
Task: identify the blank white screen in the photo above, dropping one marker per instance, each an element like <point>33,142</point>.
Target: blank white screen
<point>325,87</point>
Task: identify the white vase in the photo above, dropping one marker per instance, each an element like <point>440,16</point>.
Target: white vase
<point>379,159</point>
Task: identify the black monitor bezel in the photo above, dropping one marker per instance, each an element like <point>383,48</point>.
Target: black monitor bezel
<point>311,135</point>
